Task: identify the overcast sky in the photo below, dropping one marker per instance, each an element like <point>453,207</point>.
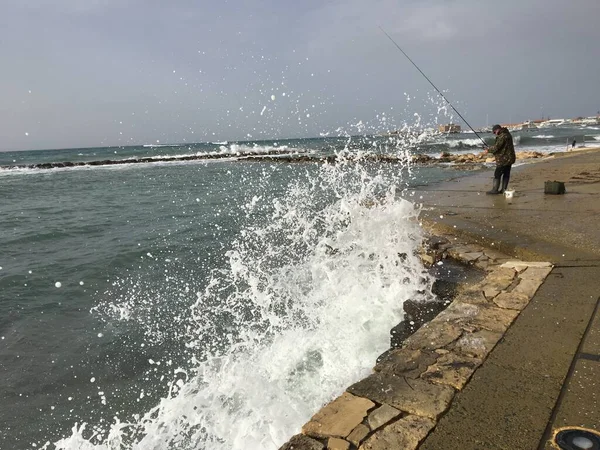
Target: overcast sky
<point>84,73</point>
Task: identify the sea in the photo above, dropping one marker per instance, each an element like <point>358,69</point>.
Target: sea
<point>207,304</point>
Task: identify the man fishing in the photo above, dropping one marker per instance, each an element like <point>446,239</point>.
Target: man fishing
<point>504,152</point>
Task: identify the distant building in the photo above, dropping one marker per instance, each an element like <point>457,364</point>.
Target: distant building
<point>449,128</point>
<point>592,120</point>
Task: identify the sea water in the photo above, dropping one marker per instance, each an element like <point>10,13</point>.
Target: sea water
<point>199,305</point>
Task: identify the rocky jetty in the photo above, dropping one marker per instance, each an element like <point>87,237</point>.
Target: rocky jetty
<point>469,159</point>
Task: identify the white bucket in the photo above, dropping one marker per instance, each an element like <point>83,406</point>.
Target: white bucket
<point>509,194</point>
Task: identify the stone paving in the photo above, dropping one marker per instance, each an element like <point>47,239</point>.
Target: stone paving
<point>411,387</point>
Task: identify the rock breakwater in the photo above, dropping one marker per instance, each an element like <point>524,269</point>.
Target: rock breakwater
<point>469,159</point>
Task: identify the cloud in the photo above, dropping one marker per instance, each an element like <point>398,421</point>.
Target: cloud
<point>76,7</point>
<point>211,67</point>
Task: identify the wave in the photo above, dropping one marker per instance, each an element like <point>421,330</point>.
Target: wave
<point>241,149</point>
<point>223,153</point>
<point>317,273</point>
<point>162,145</point>
<point>462,143</point>
<point>543,136</point>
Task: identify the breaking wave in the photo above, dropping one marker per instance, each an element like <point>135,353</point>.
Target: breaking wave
<point>463,143</point>
<point>313,283</point>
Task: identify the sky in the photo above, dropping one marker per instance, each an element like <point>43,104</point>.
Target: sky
<point>90,73</point>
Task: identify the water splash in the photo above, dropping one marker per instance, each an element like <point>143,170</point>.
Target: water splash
<point>314,282</point>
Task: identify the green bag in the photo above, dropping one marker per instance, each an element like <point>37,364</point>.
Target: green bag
<point>554,187</point>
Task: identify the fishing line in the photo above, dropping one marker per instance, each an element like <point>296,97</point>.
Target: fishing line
<point>434,86</point>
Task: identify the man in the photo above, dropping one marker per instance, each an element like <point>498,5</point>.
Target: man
<point>504,152</point>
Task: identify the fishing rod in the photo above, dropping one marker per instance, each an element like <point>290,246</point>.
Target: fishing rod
<point>439,92</point>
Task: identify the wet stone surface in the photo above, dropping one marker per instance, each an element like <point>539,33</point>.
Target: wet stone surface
<point>449,276</point>
<point>413,396</point>
<point>406,433</point>
<point>434,351</point>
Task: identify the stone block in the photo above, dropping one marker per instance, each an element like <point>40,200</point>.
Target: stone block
<point>494,319</point>
<point>427,259</point>
<point>406,362</point>
<point>459,249</point>
<point>535,273</point>
<point>471,317</point>
<point>478,344</point>
<point>458,312</point>
<point>337,444</point>
<point>404,434</point>
<point>497,280</point>
<point>338,418</point>
<point>435,242</point>
<point>381,416</point>
<point>471,257</point>
<point>436,334</point>
<point>302,442</point>
<point>495,255</point>
<point>502,275</point>
<point>490,291</point>
<point>511,300</point>
<point>452,370</point>
<point>416,313</point>
<point>520,266</point>
<point>474,297</point>
<point>527,287</point>
<point>483,263</point>
<point>358,434</point>
<point>413,396</point>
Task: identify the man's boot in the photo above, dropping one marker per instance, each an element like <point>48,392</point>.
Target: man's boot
<point>495,190</point>
<point>504,184</point>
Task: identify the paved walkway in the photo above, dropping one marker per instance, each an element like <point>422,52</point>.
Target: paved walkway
<point>545,373</point>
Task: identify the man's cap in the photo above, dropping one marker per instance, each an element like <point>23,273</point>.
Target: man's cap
<point>496,127</point>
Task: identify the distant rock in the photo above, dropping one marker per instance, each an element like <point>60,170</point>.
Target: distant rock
<point>469,158</point>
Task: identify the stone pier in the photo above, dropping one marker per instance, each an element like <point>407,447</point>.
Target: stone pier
<point>411,387</point>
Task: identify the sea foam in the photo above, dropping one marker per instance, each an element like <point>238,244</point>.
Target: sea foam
<point>313,285</point>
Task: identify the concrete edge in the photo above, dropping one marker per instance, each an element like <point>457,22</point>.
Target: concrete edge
<point>413,386</point>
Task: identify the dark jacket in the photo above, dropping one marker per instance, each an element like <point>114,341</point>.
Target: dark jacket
<point>503,149</point>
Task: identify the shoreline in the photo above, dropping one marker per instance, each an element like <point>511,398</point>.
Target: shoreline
<point>460,160</point>
<point>530,226</point>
